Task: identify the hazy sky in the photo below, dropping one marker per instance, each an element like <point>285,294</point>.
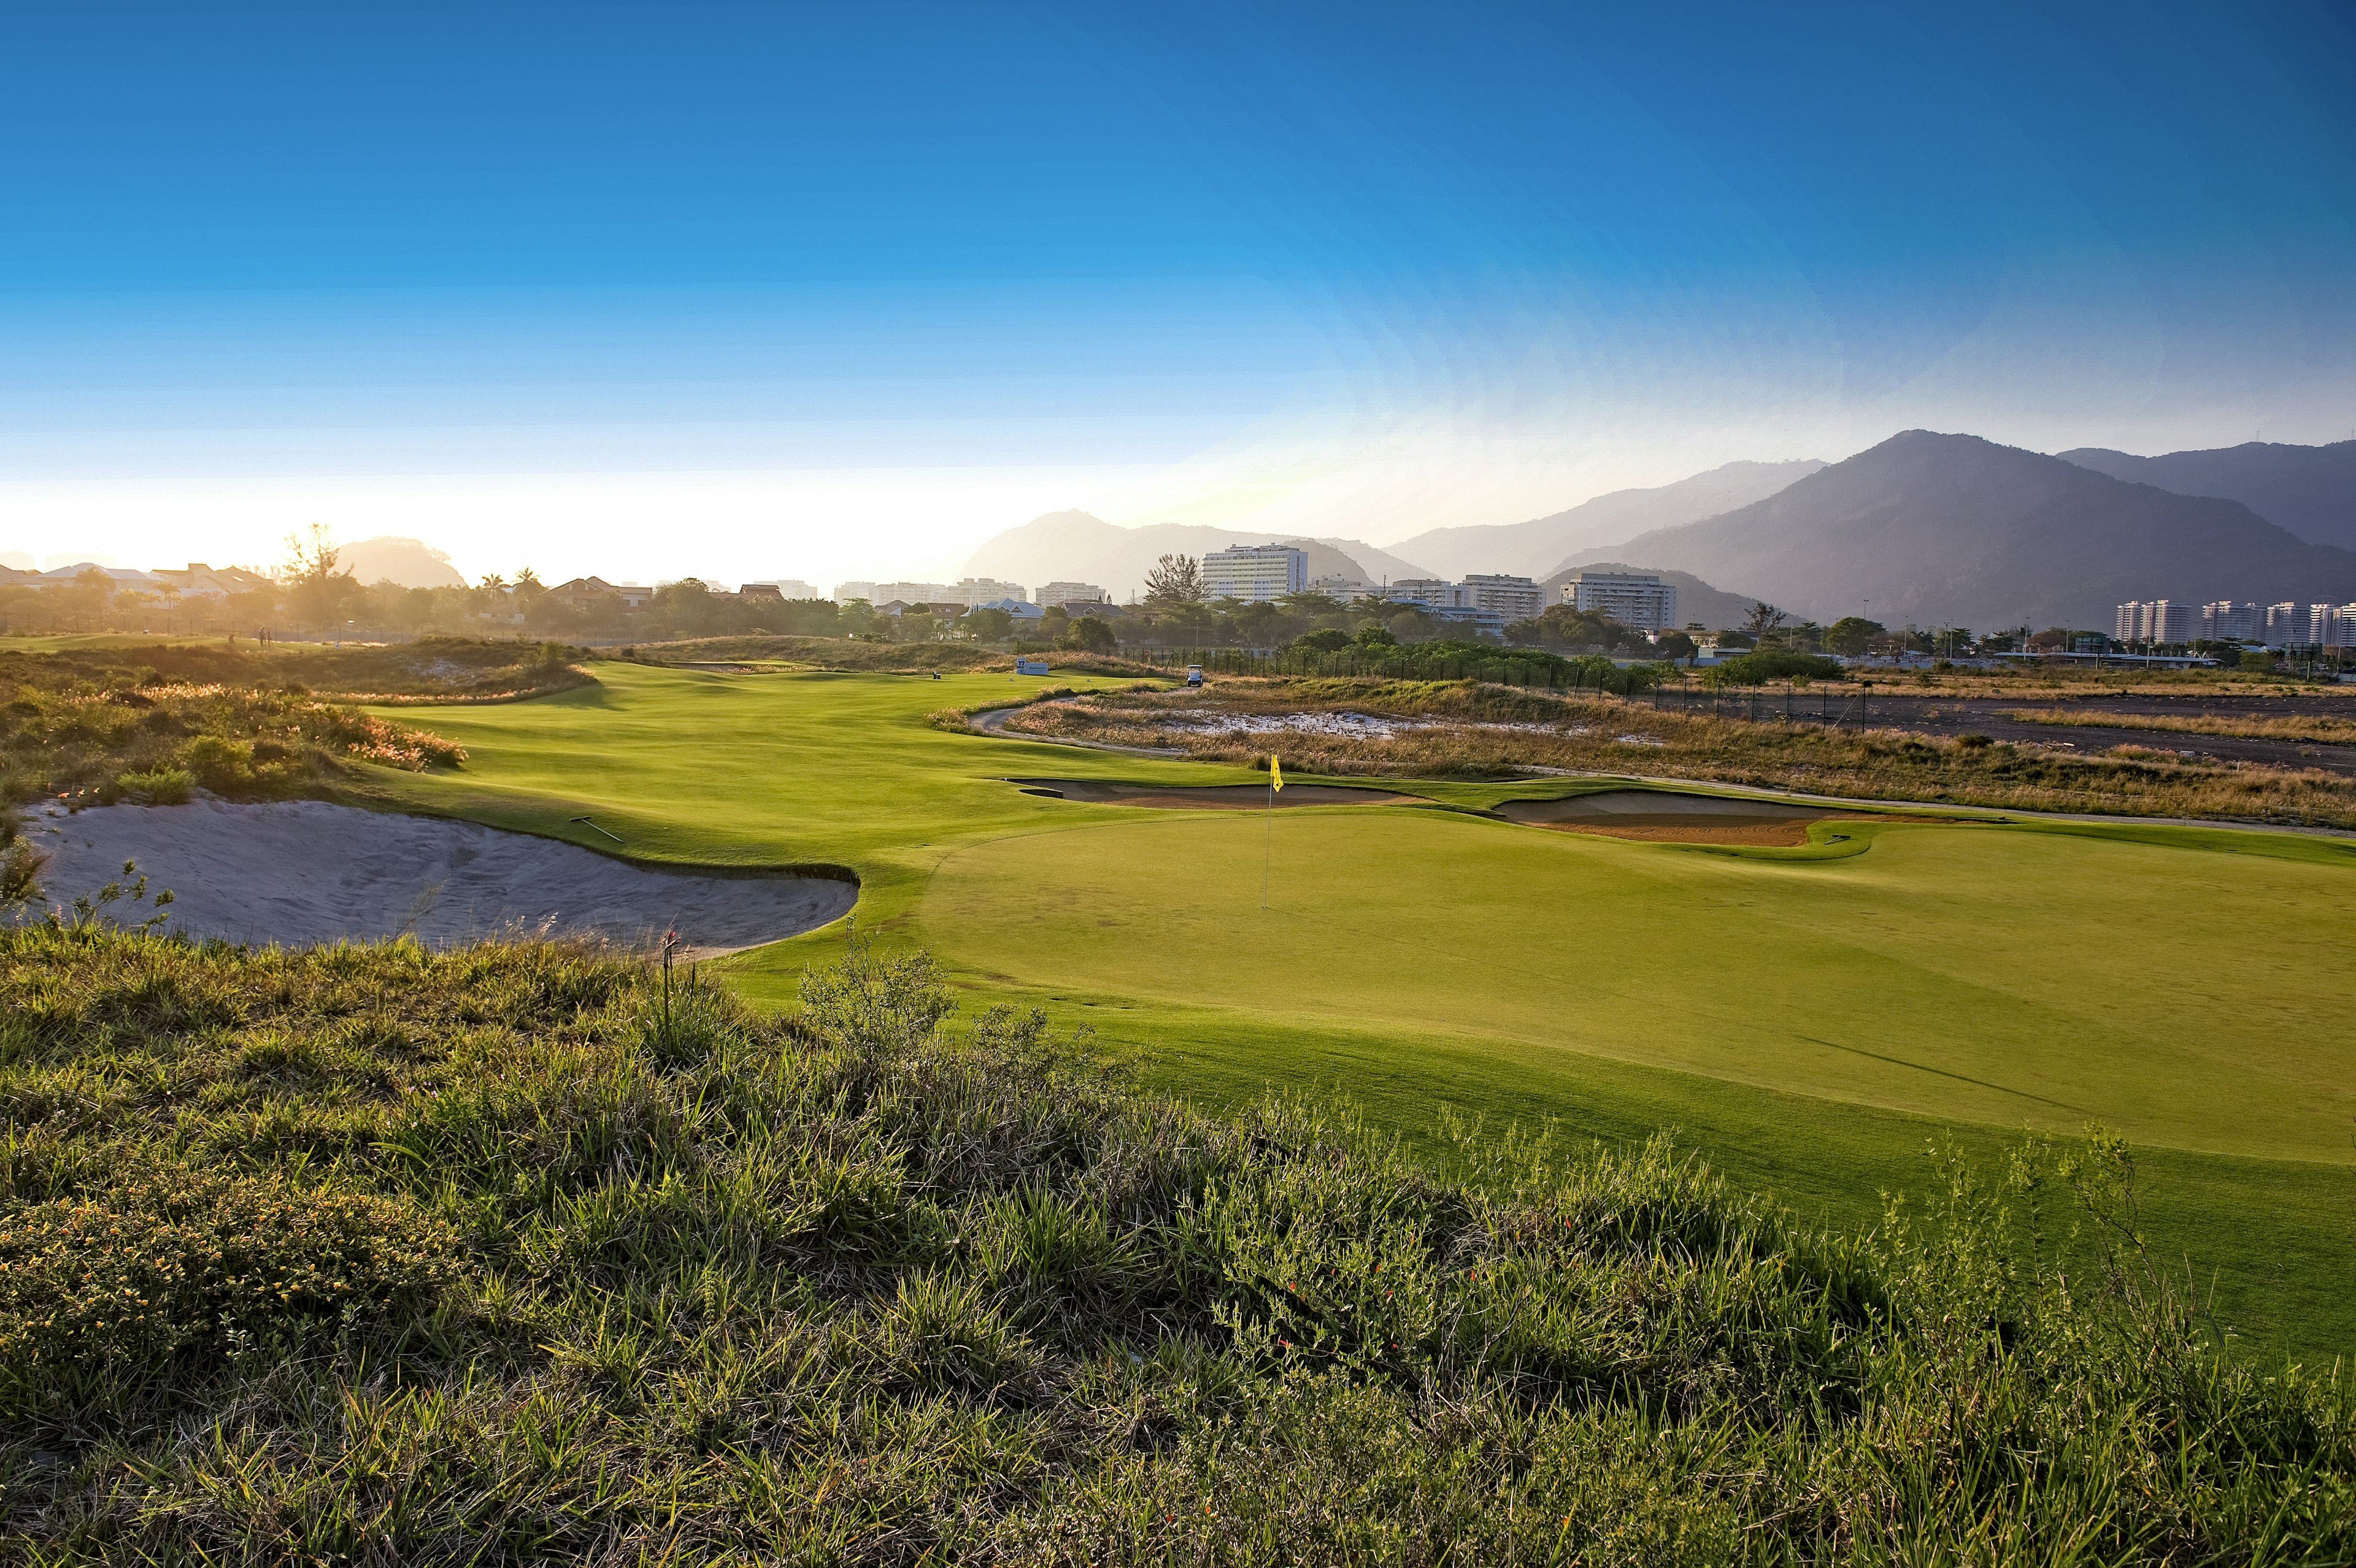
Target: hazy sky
<point>812,290</point>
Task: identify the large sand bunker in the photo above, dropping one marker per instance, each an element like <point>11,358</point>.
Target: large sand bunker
<point>1233,798</point>
<point>305,871</point>
<point>1664,815</point>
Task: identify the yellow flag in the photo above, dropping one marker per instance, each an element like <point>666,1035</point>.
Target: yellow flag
<point>1275,774</point>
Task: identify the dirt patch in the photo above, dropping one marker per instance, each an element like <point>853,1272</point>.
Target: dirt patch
<point>1229,797</point>
<point>303,872</point>
<point>1666,817</point>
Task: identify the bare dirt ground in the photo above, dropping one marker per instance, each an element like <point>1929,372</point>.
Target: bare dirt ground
<point>302,872</point>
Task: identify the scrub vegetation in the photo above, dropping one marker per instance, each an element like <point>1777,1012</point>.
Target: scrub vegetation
<point>372,1254</point>
<point>1460,729</point>
<point>2323,729</point>
<point>97,723</point>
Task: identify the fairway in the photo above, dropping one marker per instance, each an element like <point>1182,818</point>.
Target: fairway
<point>1808,1015</point>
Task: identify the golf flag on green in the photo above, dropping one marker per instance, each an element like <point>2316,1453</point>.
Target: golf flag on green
<point>1275,773</point>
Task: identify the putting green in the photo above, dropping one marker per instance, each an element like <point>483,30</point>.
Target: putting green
<point>1920,976</point>
<point>1808,1015</point>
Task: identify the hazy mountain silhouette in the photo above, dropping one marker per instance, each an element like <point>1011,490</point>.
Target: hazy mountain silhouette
<point>1548,544</point>
<point>1078,547</point>
<point>2310,490</point>
<point>1933,529</point>
<point>412,563</point>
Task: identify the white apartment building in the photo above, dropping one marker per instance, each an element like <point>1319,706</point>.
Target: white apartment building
<point>1515,598</point>
<point>2286,625</point>
<point>1638,600</point>
<point>1431,592</point>
<point>844,592</point>
<point>1348,589</point>
<point>2155,621</point>
<point>1255,573</point>
<point>971,591</point>
<point>2232,621</point>
<point>1071,595</point>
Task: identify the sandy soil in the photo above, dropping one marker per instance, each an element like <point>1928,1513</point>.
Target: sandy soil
<point>1237,798</point>
<point>1666,817</point>
<point>305,871</point>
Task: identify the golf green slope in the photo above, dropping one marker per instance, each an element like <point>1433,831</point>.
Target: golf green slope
<point>1810,1017</point>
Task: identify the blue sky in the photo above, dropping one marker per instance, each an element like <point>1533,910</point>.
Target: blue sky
<point>816,290</point>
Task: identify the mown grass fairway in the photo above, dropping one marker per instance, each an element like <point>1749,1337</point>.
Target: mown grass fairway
<point>1809,1016</point>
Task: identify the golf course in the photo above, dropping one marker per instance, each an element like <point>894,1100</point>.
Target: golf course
<point>1811,1019</point>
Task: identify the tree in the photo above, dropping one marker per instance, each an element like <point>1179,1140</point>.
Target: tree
<point>1089,634</point>
<point>1673,645</point>
<point>1175,580</point>
<point>1374,634</point>
<point>1851,634</point>
<point>989,626</point>
<point>316,591</point>
<point>1763,618</point>
<point>1332,640</point>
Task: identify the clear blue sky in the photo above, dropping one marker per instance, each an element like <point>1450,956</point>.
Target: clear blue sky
<point>785,282</point>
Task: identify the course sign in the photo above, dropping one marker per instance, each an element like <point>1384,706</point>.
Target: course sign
<point>1030,667</point>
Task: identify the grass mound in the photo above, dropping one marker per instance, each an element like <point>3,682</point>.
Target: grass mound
<point>497,1254</point>
<point>151,724</point>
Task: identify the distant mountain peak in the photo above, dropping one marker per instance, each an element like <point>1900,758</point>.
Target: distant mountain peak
<point>1932,527</point>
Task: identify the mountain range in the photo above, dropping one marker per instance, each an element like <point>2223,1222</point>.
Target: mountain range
<point>1931,528</point>
<point>2310,490</point>
<point>1078,547</point>
<point>1546,545</point>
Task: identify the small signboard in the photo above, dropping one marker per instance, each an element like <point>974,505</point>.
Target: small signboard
<point>1030,667</point>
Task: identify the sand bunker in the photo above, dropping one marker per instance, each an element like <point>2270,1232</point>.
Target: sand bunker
<point>305,871</point>
<point>1680,818</point>
<point>1233,798</point>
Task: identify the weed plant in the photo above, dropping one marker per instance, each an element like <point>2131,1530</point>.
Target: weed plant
<point>1460,729</point>
<point>373,1254</point>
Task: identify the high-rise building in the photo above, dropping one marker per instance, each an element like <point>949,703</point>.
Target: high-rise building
<point>2232,621</point>
<point>2155,621</point>
<point>844,592</point>
<point>1072,595</point>
<point>2169,621</point>
<point>1638,600</point>
<point>1255,573</point>
<point>786,587</point>
<point>973,591</point>
<point>1515,598</point>
<point>2286,625</point>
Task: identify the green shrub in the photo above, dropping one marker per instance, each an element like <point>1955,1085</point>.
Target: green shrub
<point>219,762</point>
<point>158,786</point>
<point>177,1262</point>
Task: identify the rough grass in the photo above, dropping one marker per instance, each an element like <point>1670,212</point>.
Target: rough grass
<point>152,724</point>
<point>489,1255</point>
<point>2321,728</point>
<point>1488,731</point>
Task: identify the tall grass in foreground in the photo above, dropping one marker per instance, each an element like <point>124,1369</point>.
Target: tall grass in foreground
<point>379,1255</point>
<point>1460,729</point>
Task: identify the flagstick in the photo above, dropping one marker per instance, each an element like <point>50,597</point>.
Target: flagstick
<point>1268,860</point>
